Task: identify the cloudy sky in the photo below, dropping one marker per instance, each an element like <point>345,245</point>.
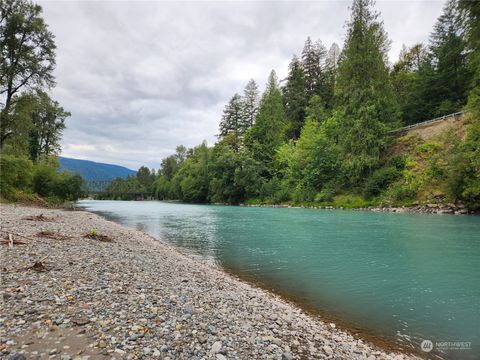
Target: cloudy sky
<point>141,78</point>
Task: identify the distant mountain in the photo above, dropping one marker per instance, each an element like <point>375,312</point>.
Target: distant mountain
<point>91,170</point>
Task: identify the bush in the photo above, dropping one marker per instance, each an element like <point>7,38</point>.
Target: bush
<point>350,202</point>
<point>402,193</point>
<point>380,180</point>
<point>15,174</point>
<point>69,186</point>
<point>45,180</point>
<point>49,183</point>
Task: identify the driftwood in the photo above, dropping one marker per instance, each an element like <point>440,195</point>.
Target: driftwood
<point>9,233</point>
<point>99,237</point>
<point>40,217</point>
<point>52,235</point>
<point>37,266</point>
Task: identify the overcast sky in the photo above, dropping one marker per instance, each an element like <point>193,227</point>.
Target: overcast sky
<point>141,78</point>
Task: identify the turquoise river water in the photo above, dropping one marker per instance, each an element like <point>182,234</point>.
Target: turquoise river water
<point>403,277</point>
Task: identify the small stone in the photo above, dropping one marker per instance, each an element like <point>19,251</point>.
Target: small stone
<point>17,356</point>
<point>220,357</point>
<point>201,339</point>
<point>287,356</point>
<point>65,357</point>
<point>156,353</point>
<point>80,321</point>
<point>213,330</point>
<point>102,344</point>
<point>328,350</point>
<point>53,352</point>
<point>216,347</point>
<point>188,310</point>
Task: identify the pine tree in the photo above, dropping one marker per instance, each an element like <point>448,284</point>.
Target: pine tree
<point>231,123</point>
<point>406,79</point>
<point>470,11</point>
<point>268,133</point>
<point>330,74</point>
<point>249,105</point>
<point>366,107</point>
<point>295,98</point>
<point>450,83</point>
<point>232,116</point>
<point>313,55</point>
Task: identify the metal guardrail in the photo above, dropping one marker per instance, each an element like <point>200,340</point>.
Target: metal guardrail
<point>445,117</point>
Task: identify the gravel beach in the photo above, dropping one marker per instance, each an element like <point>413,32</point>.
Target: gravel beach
<point>119,293</point>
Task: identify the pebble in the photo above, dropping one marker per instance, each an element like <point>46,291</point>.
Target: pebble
<point>216,347</point>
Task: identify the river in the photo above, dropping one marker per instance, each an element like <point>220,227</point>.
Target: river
<point>404,277</point>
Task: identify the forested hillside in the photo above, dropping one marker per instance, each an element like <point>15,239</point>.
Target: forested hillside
<point>321,136</point>
<point>91,170</point>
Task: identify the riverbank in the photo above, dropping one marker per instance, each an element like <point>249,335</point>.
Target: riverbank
<point>76,285</point>
<point>432,208</point>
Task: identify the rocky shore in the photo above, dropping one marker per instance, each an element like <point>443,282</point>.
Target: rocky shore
<point>429,208</point>
<point>76,286</point>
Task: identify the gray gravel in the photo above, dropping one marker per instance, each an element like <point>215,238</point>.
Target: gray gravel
<point>139,298</point>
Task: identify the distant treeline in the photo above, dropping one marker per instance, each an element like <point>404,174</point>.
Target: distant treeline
<point>31,123</point>
<point>322,134</point>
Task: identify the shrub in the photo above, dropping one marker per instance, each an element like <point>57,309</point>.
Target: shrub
<point>15,174</point>
<point>45,180</point>
<point>380,180</point>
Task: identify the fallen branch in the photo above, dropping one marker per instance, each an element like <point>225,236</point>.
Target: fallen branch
<point>15,234</point>
<point>11,241</point>
<point>40,217</point>
<point>52,235</point>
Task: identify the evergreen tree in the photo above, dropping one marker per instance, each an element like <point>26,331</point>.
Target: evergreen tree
<point>295,98</point>
<point>330,74</point>
<point>366,107</point>
<point>313,55</point>
<point>232,120</point>
<point>470,13</point>
<point>249,105</point>
<point>448,86</point>
<point>268,133</point>
<point>406,79</point>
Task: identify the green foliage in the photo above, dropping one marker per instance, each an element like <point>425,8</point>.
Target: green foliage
<point>268,132</point>
<point>146,178</point>
<point>233,176</point>
<point>366,106</point>
<point>27,50</point>
<point>49,183</point>
<point>379,181</point>
<point>295,98</point>
<point>191,181</point>
<point>350,202</point>
<point>471,161</point>
<point>20,175</point>
<point>48,120</point>
<point>15,174</point>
